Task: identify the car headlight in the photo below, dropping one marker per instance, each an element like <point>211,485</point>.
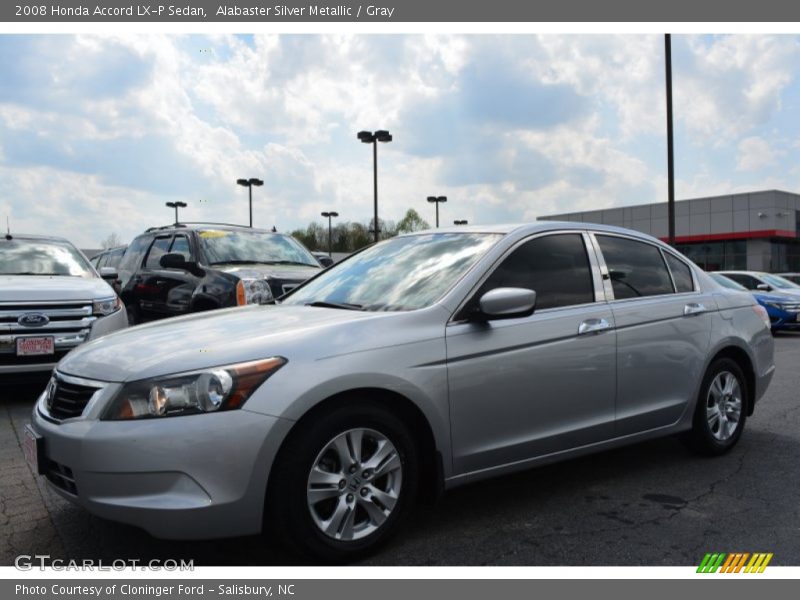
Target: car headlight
<point>106,306</point>
<point>253,291</point>
<point>191,393</point>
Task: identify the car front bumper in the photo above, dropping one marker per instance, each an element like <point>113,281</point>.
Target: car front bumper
<point>187,477</point>
<point>63,342</point>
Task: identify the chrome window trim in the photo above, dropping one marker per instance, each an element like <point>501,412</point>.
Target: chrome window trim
<point>607,279</point>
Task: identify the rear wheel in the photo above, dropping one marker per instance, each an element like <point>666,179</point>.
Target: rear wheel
<point>721,409</point>
<point>343,483</point>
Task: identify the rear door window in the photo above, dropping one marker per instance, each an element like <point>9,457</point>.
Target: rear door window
<point>748,281</point>
<point>636,269</point>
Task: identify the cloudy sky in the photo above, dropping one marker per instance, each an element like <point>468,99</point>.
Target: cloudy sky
<point>96,133</point>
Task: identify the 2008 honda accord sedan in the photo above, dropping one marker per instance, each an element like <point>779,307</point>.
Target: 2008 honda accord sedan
<point>418,364</point>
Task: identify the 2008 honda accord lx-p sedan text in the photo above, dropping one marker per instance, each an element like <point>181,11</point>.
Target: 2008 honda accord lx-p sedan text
<point>418,364</point>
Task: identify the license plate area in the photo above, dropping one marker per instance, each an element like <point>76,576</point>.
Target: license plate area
<point>36,346</point>
<point>33,448</point>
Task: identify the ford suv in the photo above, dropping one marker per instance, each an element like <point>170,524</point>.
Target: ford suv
<point>51,300</point>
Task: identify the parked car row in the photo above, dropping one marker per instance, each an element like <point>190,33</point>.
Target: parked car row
<point>418,364</point>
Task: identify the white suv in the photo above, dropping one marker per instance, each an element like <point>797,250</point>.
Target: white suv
<point>51,300</point>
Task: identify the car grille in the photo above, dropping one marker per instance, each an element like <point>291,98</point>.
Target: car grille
<point>69,323</point>
<point>61,476</point>
<point>66,400</point>
<point>279,287</point>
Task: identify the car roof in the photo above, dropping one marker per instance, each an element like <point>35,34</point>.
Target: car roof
<point>30,236</point>
<point>523,229</point>
<point>756,273</point>
<point>200,226</point>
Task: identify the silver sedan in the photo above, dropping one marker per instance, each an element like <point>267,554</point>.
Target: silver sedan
<point>418,364</point>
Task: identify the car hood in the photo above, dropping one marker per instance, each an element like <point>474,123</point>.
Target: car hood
<point>293,272</point>
<point>39,288</point>
<point>213,338</point>
<point>776,297</point>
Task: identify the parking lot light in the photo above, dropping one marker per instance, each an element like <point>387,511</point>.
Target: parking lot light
<point>437,200</point>
<point>249,183</point>
<point>330,215</point>
<point>369,137</point>
<point>176,206</point>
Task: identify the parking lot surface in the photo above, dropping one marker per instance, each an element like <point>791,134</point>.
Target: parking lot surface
<point>650,504</point>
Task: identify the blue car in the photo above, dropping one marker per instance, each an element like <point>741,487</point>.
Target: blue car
<point>783,309</point>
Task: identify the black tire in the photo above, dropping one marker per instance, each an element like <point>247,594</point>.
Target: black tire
<point>703,438</point>
<point>288,516</point>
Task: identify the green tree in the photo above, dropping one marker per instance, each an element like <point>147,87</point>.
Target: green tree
<point>412,222</point>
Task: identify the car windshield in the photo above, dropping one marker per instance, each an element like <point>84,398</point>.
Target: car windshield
<point>404,273</point>
<point>20,256</point>
<point>728,283</point>
<point>779,282</point>
<point>222,246</point>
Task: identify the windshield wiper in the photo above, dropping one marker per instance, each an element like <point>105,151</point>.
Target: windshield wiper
<point>344,305</point>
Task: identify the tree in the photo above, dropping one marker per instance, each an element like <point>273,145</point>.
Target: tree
<point>112,241</point>
<point>412,222</point>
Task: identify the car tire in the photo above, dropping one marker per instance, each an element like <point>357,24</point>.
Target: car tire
<point>721,410</point>
<point>337,512</point>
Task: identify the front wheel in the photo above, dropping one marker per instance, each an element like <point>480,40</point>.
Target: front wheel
<point>721,409</point>
<point>343,483</point>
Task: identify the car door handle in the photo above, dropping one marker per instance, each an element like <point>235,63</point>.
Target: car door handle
<point>593,326</point>
<point>693,308</point>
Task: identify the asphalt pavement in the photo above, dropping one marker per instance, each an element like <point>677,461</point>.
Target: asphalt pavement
<point>650,504</point>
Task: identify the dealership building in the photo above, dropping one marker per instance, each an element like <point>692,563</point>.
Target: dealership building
<point>756,231</point>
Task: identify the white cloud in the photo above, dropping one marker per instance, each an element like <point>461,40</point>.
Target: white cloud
<point>755,153</point>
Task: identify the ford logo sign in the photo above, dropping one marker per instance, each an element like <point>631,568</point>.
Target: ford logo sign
<point>33,320</point>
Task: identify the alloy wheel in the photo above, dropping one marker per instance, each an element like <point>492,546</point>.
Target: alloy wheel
<point>724,406</point>
<point>354,484</point>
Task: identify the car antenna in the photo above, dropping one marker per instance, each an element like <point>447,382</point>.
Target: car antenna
<point>8,228</point>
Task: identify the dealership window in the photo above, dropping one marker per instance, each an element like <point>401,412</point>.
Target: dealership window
<point>716,256</point>
<point>635,268</point>
<point>556,267</point>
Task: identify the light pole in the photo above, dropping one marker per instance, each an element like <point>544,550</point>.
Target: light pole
<point>369,137</point>
<point>437,200</point>
<point>330,215</point>
<point>460,222</point>
<point>176,206</point>
<point>670,154</point>
<point>249,183</point>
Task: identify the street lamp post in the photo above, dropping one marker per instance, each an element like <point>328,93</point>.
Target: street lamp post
<point>670,151</point>
<point>249,183</point>
<point>176,206</point>
<point>437,200</point>
<point>330,215</point>
<point>369,137</point>
<point>460,222</point>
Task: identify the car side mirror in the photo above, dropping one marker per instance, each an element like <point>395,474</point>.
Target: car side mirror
<point>764,287</point>
<point>325,261</point>
<point>110,274</point>
<point>173,260</point>
<point>504,303</point>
